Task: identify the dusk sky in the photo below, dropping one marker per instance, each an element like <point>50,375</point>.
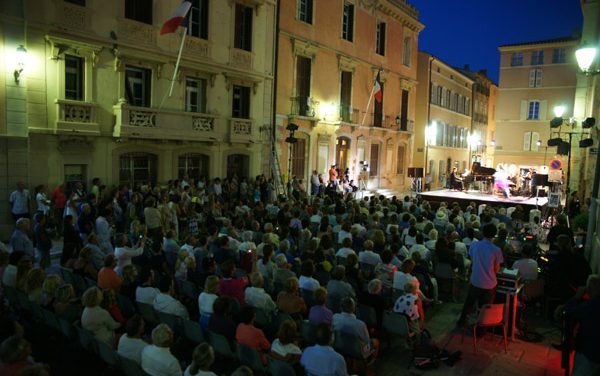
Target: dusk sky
<point>470,31</point>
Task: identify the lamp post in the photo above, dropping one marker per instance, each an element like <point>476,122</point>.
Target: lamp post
<point>430,133</point>
<point>290,140</point>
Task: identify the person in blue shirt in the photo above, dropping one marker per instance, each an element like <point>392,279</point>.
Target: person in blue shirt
<point>321,359</point>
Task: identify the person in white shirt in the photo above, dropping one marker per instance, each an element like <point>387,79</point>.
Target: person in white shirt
<point>419,247</point>
<point>146,292</point>
<point>528,268</point>
<point>104,231</point>
<point>284,347</point>
<point>207,298</point>
<point>165,302</point>
<point>96,319</point>
<point>42,201</point>
<point>19,202</point>
<point>256,295</point>
<point>131,343</point>
<point>306,281</point>
<point>368,256</point>
<point>433,236</point>
<point>202,358</point>
<point>124,254</point>
<point>157,359</point>
<point>345,232</point>
<point>346,248</point>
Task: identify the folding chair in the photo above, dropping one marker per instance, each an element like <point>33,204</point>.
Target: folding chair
<point>189,289</point>
<point>107,354</point>
<point>489,315</point>
<point>173,321</point>
<point>250,357</point>
<point>396,323</point>
<point>130,367</point>
<point>193,332</point>
<point>221,345</point>
<point>148,313</point>
<point>86,339</point>
<point>349,346</point>
<point>367,314</point>
<point>279,368</point>
<point>126,305</point>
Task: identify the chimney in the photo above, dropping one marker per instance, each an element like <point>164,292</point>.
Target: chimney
<point>467,68</point>
<point>483,71</point>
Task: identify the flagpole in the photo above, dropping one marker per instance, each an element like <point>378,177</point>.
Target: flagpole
<point>176,68</point>
<point>368,105</point>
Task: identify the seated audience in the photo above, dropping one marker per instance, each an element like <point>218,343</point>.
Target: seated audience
<point>527,267</point>
<point>157,359</point>
<point>346,322</point>
<point>221,321</point>
<point>256,295</point>
<point>131,343</point>
<point>289,301</point>
<point>107,277</point>
<point>96,319</point>
<point>320,312</point>
<point>202,359</point>
<point>249,335</point>
<point>285,346</point>
<point>166,303</point>
<point>206,299</point>
<point>146,292</point>
<point>321,359</point>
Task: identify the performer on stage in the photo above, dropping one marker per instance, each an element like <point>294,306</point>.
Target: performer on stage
<point>501,180</point>
<point>455,180</point>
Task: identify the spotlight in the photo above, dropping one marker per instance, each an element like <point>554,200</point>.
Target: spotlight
<point>588,123</point>
<point>556,122</point>
<point>563,148</point>
<point>292,127</point>
<point>586,143</point>
<point>554,141</point>
<point>291,140</point>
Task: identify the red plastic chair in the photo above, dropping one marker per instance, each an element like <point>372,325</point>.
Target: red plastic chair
<point>489,315</point>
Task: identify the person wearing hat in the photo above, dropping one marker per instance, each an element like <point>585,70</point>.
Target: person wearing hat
<point>20,241</point>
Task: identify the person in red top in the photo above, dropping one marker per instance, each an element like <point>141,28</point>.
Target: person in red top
<point>231,286</point>
<point>15,352</point>
<point>333,176</point>
<point>249,335</point>
<point>59,201</point>
<point>107,277</point>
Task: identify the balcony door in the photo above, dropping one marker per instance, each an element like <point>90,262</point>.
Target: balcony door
<point>238,164</point>
<point>342,153</point>
<point>303,72</point>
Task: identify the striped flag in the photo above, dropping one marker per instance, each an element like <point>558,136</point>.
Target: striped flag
<point>171,25</point>
<point>378,92</point>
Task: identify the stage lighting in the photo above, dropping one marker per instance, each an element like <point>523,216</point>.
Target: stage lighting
<point>292,127</point>
<point>556,122</point>
<point>586,143</point>
<point>554,141</point>
<point>563,148</point>
<point>291,140</point>
<point>588,123</point>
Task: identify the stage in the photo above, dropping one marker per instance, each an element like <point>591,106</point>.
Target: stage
<point>483,198</point>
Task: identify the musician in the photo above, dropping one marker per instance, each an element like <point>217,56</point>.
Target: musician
<point>501,180</point>
<point>530,178</point>
<point>455,180</point>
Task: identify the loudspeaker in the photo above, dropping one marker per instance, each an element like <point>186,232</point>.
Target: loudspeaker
<point>563,148</point>
<point>415,172</point>
<point>419,172</point>
<point>541,180</point>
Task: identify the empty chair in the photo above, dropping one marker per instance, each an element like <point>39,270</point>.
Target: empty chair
<point>187,288</point>
<point>367,314</point>
<point>279,368</point>
<point>333,303</point>
<point>130,367</point>
<point>250,357</point>
<point>221,345</point>
<point>308,332</point>
<point>489,315</point>
<point>308,296</point>
<point>193,332</point>
<point>173,321</point>
<point>396,323</point>
<point>349,346</point>
<point>148,313</point>
<point>86,339</point>
<point>107,354</point>
<point>263,318</point>
<point>126,305</point>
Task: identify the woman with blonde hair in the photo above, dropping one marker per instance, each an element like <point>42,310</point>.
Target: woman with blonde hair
<point>110,303</point>
<point>66,305</point>
<point>289,300</point>
<point>33,284</point>
<point>202,358</point>
<point>285,346</point>
<point>51,284</point>
<point>207,298</point>
<point>96,319</point>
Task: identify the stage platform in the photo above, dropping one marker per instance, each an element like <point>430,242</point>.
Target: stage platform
<point>464,197</point>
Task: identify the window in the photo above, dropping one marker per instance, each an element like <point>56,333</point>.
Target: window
<point>558,56</point>
<point>530,140</point>
<point>348,22</point>
<point>537,57</point>
<point>467,106</point>
<point>442,175</point>
<point>193,165</point>
<point>535,77</point>
<point>77,2</point>
<point>298,158</point>
<point>137,168</point>
<point>346,97</point>
<point>374,162</point>
<point>195,95</point>
<point>378,110</point>
<point>533,112</point>
<point>439,95</point>
<point>138,86</point>
<point>139,10</point>
<point>303,73</point>
<point>197,19</point>
<point>400,159</point>
<point>243,27</point>
<point>516,59</point>
<point>305,11</point>
<point>463,105</point>
<point>447,99</point>
<point>380,47</point>
<point>74,77</point>
<point>241,102</point>
<point>407,51</point>
<point>439,134</point>
<point>404,110</point>
<point>455,102</point>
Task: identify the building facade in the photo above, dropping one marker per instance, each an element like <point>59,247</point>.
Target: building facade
<point>443,120</point>
<point>93,97</point>
<point>535,77</point>
<point>330,53</point>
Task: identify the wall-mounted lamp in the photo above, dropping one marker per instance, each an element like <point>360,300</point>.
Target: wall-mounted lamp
<point>493,142</point>
<point>20,58</point>
<point>538,143</point>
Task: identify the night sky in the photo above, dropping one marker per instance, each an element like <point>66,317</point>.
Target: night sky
<point>469,31</point>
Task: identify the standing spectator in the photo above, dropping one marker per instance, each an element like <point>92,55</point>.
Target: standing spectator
<point>59,201</point>
<point>41,200</point>
<point>321,359</point>
<point>19,240</point>
<point>333,175</point>
<point>124,254</point>
<point>486,260</point>
<point>19,202</point>
<point>43,243</point>
<point>104,231</point>
<point>206,299</point>
<point>96,319</point>
<point>131,343</point>
<point>157,359</point>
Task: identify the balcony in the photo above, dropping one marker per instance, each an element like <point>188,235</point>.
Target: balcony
<point>136,32</point>
<point>240,59</point>
<point>240,130</point>
<point>349,114</point>
<point>151,123</point>
<point>76,117</point>
<point>72,16</point>
<point>304,106</point>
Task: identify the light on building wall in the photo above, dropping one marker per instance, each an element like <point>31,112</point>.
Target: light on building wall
<point>329,110</point>
<point>493,142</point>
<point>585,57</point>
<point>431,133</point>
<point>20,61</point>
<point>559,111</point>
<point>538,143</point>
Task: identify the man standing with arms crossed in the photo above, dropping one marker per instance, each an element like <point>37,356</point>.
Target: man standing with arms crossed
<point>486,260</point>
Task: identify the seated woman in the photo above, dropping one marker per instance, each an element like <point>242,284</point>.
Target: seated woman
<point>221,321</point>
<point>96,319</point>
<point>110,304</point>
<point>285,346</point>
<point>319,312</point>
<point>407,304</point>
<point>131,343</point>
<point>51,284</point>
<point>83,264</point>
<point>289,301</point>
<point>373,298</point>
<point>130,282</point>
<point>202,359</point>
<point>206,300</point>
<point>34,281</point>
<point>66,305</point>
<point>249,335</point>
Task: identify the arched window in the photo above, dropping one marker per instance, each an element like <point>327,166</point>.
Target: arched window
<point>137,168</point>
<point>400,159</point>
<point>194,165</point>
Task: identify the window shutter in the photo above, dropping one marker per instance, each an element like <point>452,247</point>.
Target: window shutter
<point>532,78</point>
<point>433,93</point>
<point>523,110</point>
<point>527,141</point>
<point>543,110</point>
<point>538,77</point>
<point>351,22</point>
<point>535,136</point>
<point>309,11</point>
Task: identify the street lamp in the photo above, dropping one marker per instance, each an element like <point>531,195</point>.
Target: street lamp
<point>290,140</point>
<point>430,135</point>
<point>20,60</point>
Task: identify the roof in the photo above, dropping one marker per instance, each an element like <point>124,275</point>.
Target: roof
<point>544,41</point>
<point>432,56</point>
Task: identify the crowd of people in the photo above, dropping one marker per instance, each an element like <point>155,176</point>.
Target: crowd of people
<point>294,260</point>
